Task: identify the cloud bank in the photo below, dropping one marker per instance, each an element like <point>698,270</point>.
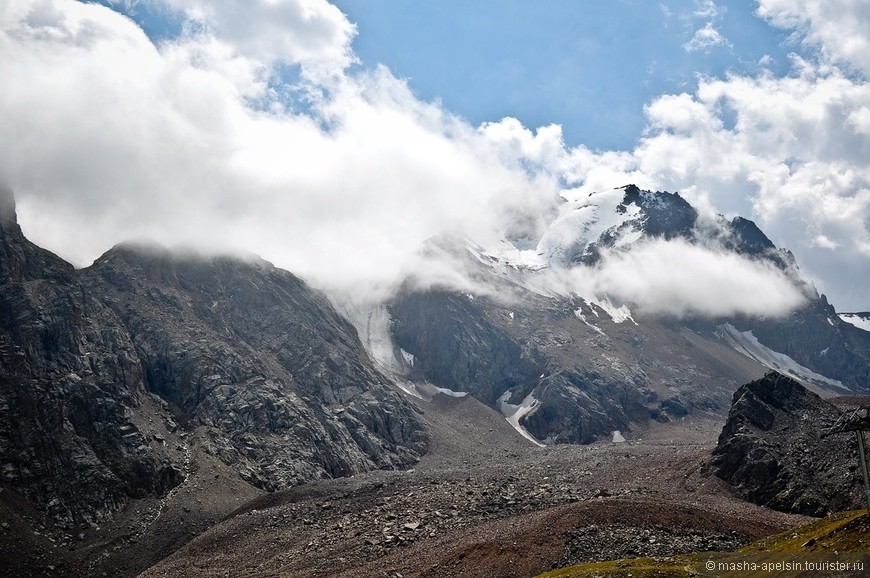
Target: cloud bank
<point>252,130</point>
<point>676,278</point>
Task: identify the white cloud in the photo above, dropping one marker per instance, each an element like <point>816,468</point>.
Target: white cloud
<point>824,242</point>
<point>311,33</point>
<point>839,28</point>
<point>107,136</point>
<point>678,278</point>
<point>707,9</point>
<point>790,152</point>
<point>706,38</point>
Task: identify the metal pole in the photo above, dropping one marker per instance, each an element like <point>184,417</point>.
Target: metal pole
<point>862,459</point>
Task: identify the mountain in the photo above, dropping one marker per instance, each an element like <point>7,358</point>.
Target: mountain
<point>568,365</point>
<point>772,451</point>
<point>149,396</point>
<point>148,376</point>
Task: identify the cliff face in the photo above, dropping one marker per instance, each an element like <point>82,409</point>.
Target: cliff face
<point>109,375</point>
<point>772,453</point>
<point>562,370</point>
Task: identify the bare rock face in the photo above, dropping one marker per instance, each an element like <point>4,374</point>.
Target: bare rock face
<point>816,337</point>
<point>771,451</point>
<point>99,366</point>
<point>575,374</point>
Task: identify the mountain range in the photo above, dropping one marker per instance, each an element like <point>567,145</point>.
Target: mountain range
<point>566,363</point>
<point>148,395</point>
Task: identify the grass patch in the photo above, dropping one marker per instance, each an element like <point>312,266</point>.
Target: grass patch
<point>843,537</point>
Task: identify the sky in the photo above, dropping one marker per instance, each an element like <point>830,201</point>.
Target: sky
<point>333,139</point>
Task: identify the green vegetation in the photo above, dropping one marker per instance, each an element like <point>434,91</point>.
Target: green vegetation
<point>843,537</point>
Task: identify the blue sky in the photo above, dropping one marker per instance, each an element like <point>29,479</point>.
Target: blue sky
<point>588,66</point>
<point>334,138</point>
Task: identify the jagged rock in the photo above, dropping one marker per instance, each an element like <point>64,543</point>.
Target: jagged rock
<point>99,367</point>
<point>664,215</point>
<point>771,451</point>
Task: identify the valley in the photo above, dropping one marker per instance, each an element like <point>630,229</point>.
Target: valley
<point>169,413</point>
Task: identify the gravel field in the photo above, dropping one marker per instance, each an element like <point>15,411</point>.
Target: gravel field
<point>484,502</point>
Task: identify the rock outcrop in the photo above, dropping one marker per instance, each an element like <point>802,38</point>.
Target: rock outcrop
<point>109,375</point>
<point>772,453</point>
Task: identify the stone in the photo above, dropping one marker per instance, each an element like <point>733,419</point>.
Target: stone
<point>772,453</point>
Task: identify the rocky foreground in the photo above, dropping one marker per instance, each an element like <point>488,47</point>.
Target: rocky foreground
<point>482,502</point>
<point>171,414</point>
<point>485,502</point>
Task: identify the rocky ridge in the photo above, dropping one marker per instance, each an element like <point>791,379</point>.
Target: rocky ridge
<point>772,452</point>
<point>123,383</point>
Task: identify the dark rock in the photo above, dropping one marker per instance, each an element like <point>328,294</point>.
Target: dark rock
<point>248,359</point>
<point>772,453</point>
<point>580,381</point>
<point>662,215</point>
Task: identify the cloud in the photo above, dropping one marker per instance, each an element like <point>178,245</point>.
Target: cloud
<point>706,38</point>
<point>839,29</point>
<point>311,33</point>
<point>677,278</point>
<point>109,136</point>
<point>707,9</point>
<point>795,147</point>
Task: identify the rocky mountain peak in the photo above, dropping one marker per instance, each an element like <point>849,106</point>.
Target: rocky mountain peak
<point>665,214</point>
<point>779,392</point>
<point>19,258</point>
<point>113,377</point>
<point>750,239</point>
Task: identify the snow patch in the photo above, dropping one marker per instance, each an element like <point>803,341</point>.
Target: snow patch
<point>372,323</point>
<point>583,221</point>
<point>859,320</point>
<point>408,357</point>
<point>747,344</point>
<point>579,314</point>
<point>506,252</point>
<point>513,413</point>
<point>617,314</point>
<point>618,438</point>
<point>446,391</point>
<point>426,390</point>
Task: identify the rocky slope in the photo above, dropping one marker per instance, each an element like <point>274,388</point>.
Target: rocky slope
<point>123,383</point>
<point>567,368</point>
<point>486,503</point>
<point>563,370</point>
<point>772,452</point>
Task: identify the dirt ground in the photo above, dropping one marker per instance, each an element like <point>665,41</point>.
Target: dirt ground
<point>485,502</point>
